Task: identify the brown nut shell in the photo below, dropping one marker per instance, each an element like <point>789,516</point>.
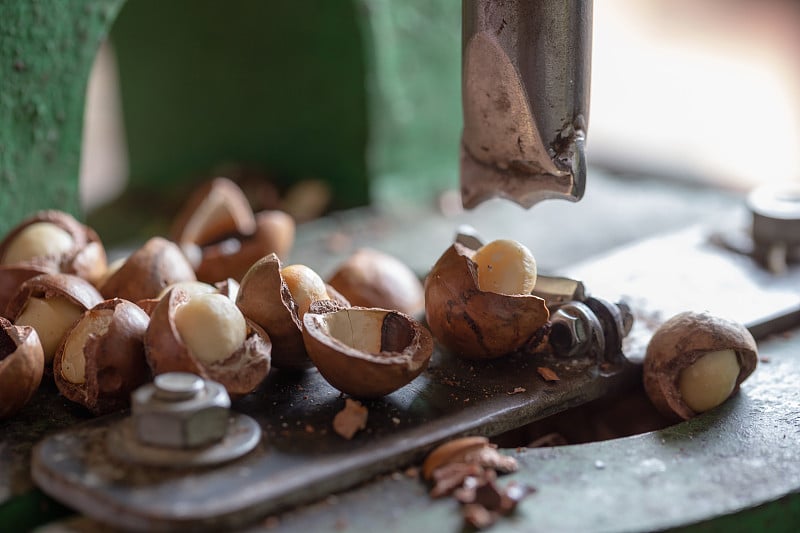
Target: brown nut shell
<point>213,211</point>
<point>452,451</point>
<point>475,324</point>
<point>682,340</point>
<point>72,288</point>
<point>13,276</point>
<point>370,278</point>
<point>233,257</point>
<point>115,363</point>
<point>86,259</point>
<point>265,299</point>
<point>366,352</point>
<point>148,270</point>
<point>240,373</point>
<point>21,366</point>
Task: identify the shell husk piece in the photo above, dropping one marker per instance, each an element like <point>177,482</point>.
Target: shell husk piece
<point>70,287</point>
<point>13,276</point>
<point>232,258</point>
<point>240,373</point>
<point>366,352</point>
<point>213,211</point>
<point>682,340</point>
<point>476,324</point>
<point>370,278</point>
<point>87,258</point>
<point>115,359</point>
<point>157,264</point>
<point>21,366</point>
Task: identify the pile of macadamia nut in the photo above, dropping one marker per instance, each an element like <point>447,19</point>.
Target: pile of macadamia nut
<point>213,299</point>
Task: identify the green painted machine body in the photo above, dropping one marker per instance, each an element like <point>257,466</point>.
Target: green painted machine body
<point>363,94</point>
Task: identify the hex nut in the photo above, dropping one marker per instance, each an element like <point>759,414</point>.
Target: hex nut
<point>197,421</point>
<point>679,343</point>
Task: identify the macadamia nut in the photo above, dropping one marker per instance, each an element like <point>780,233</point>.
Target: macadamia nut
<point>41,239</point>
<point>73,360</point>
<point>505,267</point>
<point>51,318</point>
<point>709,381</point>
<point>211,326</point>
<point>305,285</point>
<point>192,288</point>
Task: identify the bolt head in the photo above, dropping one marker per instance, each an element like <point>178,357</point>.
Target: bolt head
<point>176,412</point>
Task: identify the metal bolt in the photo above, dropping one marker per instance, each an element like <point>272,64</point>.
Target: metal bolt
<point>180,410</point>
<point>576,331</point>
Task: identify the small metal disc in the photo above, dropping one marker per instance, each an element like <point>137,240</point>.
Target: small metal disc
<point>243,436</point>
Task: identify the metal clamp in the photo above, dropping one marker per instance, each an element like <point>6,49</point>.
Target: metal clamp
<point>182,420</point>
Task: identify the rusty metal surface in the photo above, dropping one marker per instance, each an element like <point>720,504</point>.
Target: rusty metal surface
<point>301,459</point>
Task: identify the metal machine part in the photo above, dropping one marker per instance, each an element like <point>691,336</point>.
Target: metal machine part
<point>525,89</point>
<point>182,420</point>
<point>776,226</point>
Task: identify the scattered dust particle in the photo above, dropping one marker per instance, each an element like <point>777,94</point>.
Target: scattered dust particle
<point>412,472</point>
<point>309,428</point>
<point>466,400</point>
<point>547,374</point>
<point>764,359</point>
<point>396,476</point>
<point>395,420</point>
<point>341,524</point>
<point>271,522</point>
<point>517,390</point>
<point>351,419</point>
<point>284,424</point>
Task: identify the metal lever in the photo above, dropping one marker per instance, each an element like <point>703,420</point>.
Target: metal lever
<point>525,89</point>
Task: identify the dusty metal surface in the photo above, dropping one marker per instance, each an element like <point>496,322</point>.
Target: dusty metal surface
<point>301,459</point>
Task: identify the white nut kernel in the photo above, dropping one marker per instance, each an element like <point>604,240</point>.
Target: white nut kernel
<point>709,381</point>
<point>211,326</point>
<point>51,318</point>
<point>305,285</point>
<point>73,360</point>
<point>191,288</point>
<point>505,267</point>
<point>40,239</point>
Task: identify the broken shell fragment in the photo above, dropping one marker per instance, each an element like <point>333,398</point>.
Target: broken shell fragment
<point>101,359</point>
<point>366,353</point>
<point>209,338</point>
<point>472,323</point>
<point>21,366</point>
<point>696,361</point>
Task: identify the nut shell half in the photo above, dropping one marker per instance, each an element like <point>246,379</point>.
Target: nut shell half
<point>86,259</point>
<point>475,324</point>
<point>115,363</point>
<point>240,373</point>
<point>366,353</point>
<point>21,366</point>
<point>682,340</point>
<point>72,288</point>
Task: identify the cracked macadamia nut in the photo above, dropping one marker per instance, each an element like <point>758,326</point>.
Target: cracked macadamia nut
<point>366,353</point>
<point>101,360</point>
<point>370,278</point>
<point>505,267</point>
<point>474,323</point>
<point>696,361</point>
<point>55,242</point>
<point>276,303</point>
<point>50,304</point>
<point>21,366</point>
<point>206,334</point>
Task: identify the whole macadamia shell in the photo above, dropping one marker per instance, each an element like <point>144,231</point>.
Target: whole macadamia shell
<point>21,366</point>
<point>680,342</point>
<point>157,264</point>
<point>115,360</point>
<point>86,259</point>
<point>472,323</point>
<point>405,350</point>
<point>240,373</point>
<point>370,278</point>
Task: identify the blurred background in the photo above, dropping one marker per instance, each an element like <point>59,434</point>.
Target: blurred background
<point>360,101</point>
